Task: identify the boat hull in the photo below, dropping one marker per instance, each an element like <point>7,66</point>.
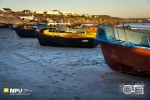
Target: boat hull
<point>51,40</point>
<point>126,59</point>
<point>25,32</point>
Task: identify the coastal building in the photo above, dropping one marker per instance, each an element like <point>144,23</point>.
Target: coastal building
<point>7,10</point>
<point>26,11</point>
<point>27,17</point>
<point>41,12</point>
<point>19,11</point>
<point>53,12</point>
<point>87,15</point>
<point>73,14</point>
<point>97,16</point>
<point>80,14</point>
<point>68,13</point>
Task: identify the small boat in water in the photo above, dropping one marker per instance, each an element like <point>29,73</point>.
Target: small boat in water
<point>24,31</point>
<point>125,50</point>
<point>63,36</point>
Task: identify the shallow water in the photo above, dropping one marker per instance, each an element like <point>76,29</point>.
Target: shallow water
<point>138,25</point>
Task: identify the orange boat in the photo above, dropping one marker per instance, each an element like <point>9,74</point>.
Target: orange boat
<point>125,50</point>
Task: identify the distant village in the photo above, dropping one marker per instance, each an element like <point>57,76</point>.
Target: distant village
<point>72,17</point>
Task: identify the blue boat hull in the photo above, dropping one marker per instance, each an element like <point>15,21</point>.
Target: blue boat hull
<point>111,34</point>
<point>25,32</point>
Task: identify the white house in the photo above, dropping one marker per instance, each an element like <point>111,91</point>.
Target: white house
<point>8,10</point>
<point>26,11</point>
<point>27,17</point>
<point>87,15</point>
<point>54,12</point>
<point>41,12</point>
<point>68,13</point>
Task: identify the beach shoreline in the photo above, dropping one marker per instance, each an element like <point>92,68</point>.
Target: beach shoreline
<point>60,73</point>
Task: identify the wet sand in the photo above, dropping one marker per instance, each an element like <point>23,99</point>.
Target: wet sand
<point>60,73</point>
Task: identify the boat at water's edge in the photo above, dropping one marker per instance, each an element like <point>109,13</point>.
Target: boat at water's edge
<point>123,52</point>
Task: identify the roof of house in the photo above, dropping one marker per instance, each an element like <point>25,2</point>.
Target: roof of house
<point>27,10</point>
<point>6,8</point>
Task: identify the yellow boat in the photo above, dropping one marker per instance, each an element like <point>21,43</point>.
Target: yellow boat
<point>63,36</point>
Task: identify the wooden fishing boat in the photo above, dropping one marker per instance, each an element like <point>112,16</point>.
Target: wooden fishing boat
<point>125,50</point>
<point>64,36</point>
<point>23,31</point>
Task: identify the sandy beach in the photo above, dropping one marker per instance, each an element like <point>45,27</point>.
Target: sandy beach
<point>61,73</point>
